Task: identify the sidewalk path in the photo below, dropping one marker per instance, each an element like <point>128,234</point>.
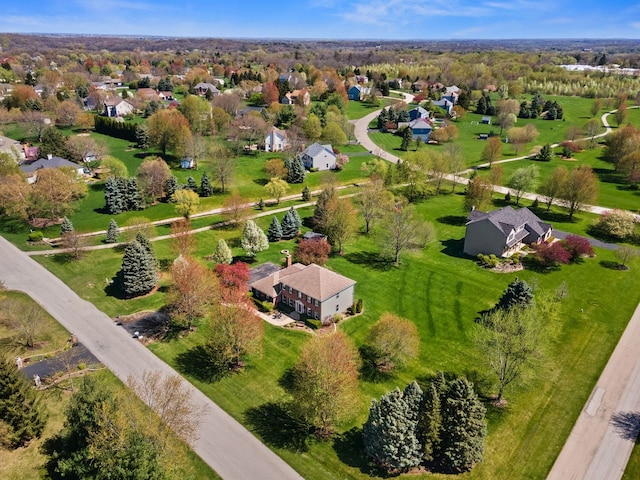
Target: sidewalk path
<point>225,445</point>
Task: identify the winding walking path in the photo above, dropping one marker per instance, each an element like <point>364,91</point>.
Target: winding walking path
<point>225,445</point>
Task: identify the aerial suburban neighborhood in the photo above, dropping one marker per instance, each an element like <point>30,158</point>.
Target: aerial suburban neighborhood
<point>239,257</point>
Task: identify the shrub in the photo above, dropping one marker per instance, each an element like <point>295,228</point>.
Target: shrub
<point>507,197</point>
<point>82,366</point>
<point>267,306</point>
<point>36,236</point>
<point>617,224</point>
<point>315,324</point>
<point>515,258</point>
<point>535,203</point>
<point>577,246</point>
<point>359,305</point>
<point>549,255</point>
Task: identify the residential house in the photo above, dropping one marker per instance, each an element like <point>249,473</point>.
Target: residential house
<point>300,97</point>
<point>187,162</point>
<point>117,107</point>
<point>31,152</point>
<point>147,95</point>
<point>203,87</point>
<point>31,169</point>
<point>502,232</point>
<point>420,128</point>
<point>418,112</point>
<point>166,96</point>
<point>311,290</point>
<point>446,103</point>
<point>314,236</point>
<point>276,140</point>
<point>358,92</point>
<point>320,157</point>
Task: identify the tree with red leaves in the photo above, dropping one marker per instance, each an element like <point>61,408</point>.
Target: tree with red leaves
<point>577,246</point>
<point>234,281</point>
<point>313,250</point>
<point>552,254</point>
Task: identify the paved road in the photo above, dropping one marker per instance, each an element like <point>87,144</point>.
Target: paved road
<point>231,450</point>
<point>604,435</point>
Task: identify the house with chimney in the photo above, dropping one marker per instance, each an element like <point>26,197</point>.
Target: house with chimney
<point>30,169</point>
<point>310,290</point>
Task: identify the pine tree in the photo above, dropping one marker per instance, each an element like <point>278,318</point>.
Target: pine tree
<point>296,217</point>
<point>289,225</point>
<point>545,153</point>
<point>66,226</point>
<point>138,274</point>
<point>113,196</point>
<point>407,138</point>
<point>306,194</point>
<point>134,199</point>
<point>295,171</point>
<point>112,232</point>
<point>463,427</point>
<point>253,239</point>
<point>223,253</point>
<point>274,234</point>
<point>206,190</point>
<point>171,186</point>
<point>192,185</point>
<point>20,411</point>
<point>142,136</point>
<point>430,423</point>
<point>518,293</point>
<point>389,434</point>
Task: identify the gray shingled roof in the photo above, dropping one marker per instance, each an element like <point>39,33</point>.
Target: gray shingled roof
<point>316,149</point>
<point>507,218</point>
<point>54,162</point>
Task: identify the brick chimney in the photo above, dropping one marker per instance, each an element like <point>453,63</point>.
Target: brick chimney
<point>288,259</point>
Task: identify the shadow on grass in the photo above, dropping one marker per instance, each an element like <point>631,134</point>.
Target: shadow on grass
<point>627,425</point>
<point>260,181</point>
<point>454,248</point>
<point>370,259</point>
<point>530,263</point>
<point>455,220</point>
<point>350,450</point>
<point>197,363</point>
<point>613,265</point>
<point>277,428</point>
<point>369,369</point>
<point>551,216</point>
<point>12,225</point>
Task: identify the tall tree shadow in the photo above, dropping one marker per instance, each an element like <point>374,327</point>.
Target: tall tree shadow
<point>278,428</point>
<point>371,259</point>
<point>369,369</point>
<point>197,363</point>
<point>454,220</point>
<point>350,450</point>
<point>626,424</point>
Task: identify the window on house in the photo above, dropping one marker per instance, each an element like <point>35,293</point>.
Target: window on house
<point>308,311</point>
<point>290,290</point>
<point>337,307</point>
<point>315,302</point>
<point>308,299</point>
<point>337,295</point>
<point>315,315</point>
<point>299,294</point>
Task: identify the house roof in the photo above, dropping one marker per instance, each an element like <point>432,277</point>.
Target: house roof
<point>53,162</point>
<point>317,281</point>
<point>206,86</point>
<point>276,131</point>
<point>420,123</point>
<point>113,101</point>
<point>268,284</point>
<point>316,149</point>
<point>422,111</point>
<point>507,219</point>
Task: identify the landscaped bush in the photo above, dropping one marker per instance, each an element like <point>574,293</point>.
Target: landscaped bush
<point>578,247</point>
<point>36,236</point>
<point>549,255</point>
<point>359,306</point>
<point>616,224</point>
<point>489,261</point>
<point>315,324</point>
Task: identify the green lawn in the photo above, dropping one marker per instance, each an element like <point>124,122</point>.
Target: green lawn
<point>441,291</point>
<point>356,109</point>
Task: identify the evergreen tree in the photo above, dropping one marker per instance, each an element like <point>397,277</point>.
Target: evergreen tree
<point>142,136</point>
<point>146,243</point>
<point>463,427</point>
<point>134,199</point>
<point>206,190</point>
<point>274,233</point>
<point>113,196</point>
<point>296,217</point>
<point>66,226</point>
<point>545,153</point>
<point>138,274</point>
<point>306,194</point>
<point>253,239</point>
<point>481,106</point>
<point>295,171</point>
<point>112,232</point>
<point>407,138</point>
<point>289,225</point>
<point>389,434</point>
<point>192,185</point>
<point>223,253</point>
<point>518,293</point>
<point>430,422</point>
<point>171,186</point>
<point>20,411</point>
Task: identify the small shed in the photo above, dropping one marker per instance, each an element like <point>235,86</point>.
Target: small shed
<point>483,136</point>
<point>187,163</point>
<point>486,120</point>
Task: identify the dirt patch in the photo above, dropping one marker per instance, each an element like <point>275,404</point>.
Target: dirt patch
<point>150,325</point>
<point>507,268</point>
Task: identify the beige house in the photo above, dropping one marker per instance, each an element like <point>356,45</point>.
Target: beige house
<point>117,107</point>
<point>311,290</point>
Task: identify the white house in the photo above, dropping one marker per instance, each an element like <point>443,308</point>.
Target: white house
<point>117,107</point>
<point>276,140</point>
<point>320,157</point>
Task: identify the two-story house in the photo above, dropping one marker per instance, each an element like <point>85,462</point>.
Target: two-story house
<point>503,231</point>
<point>311,290</point>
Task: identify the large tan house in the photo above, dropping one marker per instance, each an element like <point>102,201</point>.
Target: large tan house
<point>311,290</point>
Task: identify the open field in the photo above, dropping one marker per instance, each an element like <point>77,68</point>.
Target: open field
<point>441,291</point>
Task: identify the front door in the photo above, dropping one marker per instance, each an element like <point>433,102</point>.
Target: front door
<point>299,307</point>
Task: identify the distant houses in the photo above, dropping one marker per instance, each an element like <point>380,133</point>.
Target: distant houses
<point>117,107</point>
<point>276,140</point>
<point>30,170</point>
<point>319,157</point>
<point>358,92</point>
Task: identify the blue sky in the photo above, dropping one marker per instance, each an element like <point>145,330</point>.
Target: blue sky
<point>329,19</point>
